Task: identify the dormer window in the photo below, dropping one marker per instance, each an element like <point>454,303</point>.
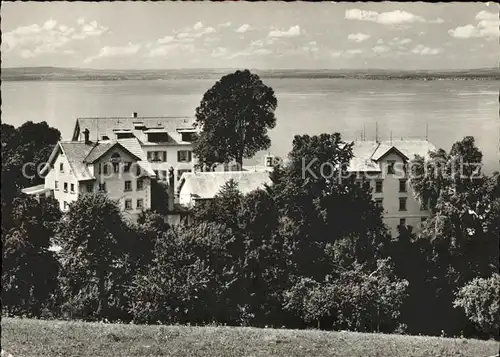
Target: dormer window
<point>104,137</point>
<point>390,167</point>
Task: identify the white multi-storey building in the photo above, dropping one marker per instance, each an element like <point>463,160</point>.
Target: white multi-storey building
<point>385,165</point>
<point>166,141</point>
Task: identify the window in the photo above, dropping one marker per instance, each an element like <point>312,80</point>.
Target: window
<point>65,205</point>
<point>180,172</point>
<point>138,170</point>
<point>128,186</point>
<point>378,186</point>
<point>379,202</point>
<point>102,187</point>
<point>104,137</point>
<point>56,185</point>
<point>140,185</point>
<point>157,173</point>
<point>105,169</point>
<point>140,203</point>
<point>61,167</point>
<point>128,204</point>
<point>116,167</point>
<point>402,203</point>
<point>72,188</point>
<point>402,222</point>
<point>184,156</point>
<point>402,185</point>
<point>90,187</point>
<point>65,187</point>
<point>126,167</point>
<point>390,167</point>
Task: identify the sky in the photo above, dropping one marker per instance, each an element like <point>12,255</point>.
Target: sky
<point>273,35</point>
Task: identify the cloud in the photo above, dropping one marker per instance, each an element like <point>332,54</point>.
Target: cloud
<point>35,39</point>
<point>487,26</point>
<point>198,25</point>
<point>166,39</point>
<point>220,52</point>
<point>380,41</point>
<point>395,17</point>
<point>80,21</point>
<point>396,41</point>
<point>354,52</point>
<point>291,32</point>
<point>243,28</point>
<point>386,18</point>
<point>204,31</point>
<point>380,49</point>
<point>225,24</point>
<point>115,51</point>
<point>485,15</point>
<point>424,50</point>
<point>358,37</point>
<point>162,51</point>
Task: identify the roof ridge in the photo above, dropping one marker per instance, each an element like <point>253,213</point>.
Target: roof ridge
<point>135,118</point>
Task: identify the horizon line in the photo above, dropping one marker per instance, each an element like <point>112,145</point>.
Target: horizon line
<point>258,69</point>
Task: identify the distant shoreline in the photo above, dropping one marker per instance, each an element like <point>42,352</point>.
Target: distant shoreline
<point>125,78</point>
<point>78,74</point>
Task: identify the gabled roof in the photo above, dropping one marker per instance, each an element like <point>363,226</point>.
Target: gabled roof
<point>101,149</point>
<point>80,155</point>
<point>205,185</point>
<point>367,153</point>
<point>380,154</point>
<point>99,126</point>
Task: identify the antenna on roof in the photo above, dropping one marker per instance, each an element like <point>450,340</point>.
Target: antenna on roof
<point>376,131</point>
<point>426,132</point>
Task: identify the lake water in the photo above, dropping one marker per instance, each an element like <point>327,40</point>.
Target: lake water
<point>451,109</point>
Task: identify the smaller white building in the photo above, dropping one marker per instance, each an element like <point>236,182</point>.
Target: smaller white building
<point>117,167</point>
<point>197,186</point>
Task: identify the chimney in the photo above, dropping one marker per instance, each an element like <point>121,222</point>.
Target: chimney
<point>171,190</point>
<point>86,134</point>
<point>135,114</point>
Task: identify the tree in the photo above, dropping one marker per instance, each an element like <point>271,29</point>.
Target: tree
<point>330,221</point>
<point>358,299</point>
<point>29,269</point>
<point>479,299</point>
<point>463,230</point>
<point>189,278</point>
<point>234,116</point>
<point>91,237</point>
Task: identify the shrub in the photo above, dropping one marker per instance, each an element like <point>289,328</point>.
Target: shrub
<point>479,299</point>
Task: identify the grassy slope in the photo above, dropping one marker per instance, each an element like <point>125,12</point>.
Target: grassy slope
<point>24,337</point>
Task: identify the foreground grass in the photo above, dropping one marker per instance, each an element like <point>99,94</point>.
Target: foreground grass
<point>25,337</point>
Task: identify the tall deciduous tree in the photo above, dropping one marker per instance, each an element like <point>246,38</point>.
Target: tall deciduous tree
<point>234,116</point>
<point>29,269</point>
<point>92,236</point>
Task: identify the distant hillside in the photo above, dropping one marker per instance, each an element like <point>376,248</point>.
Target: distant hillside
<point>75,74</point>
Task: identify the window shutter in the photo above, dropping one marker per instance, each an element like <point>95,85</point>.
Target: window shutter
<point>178,156</point>
<point>149,155</point>
<point>164,156</point>
<point>189,156</point>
